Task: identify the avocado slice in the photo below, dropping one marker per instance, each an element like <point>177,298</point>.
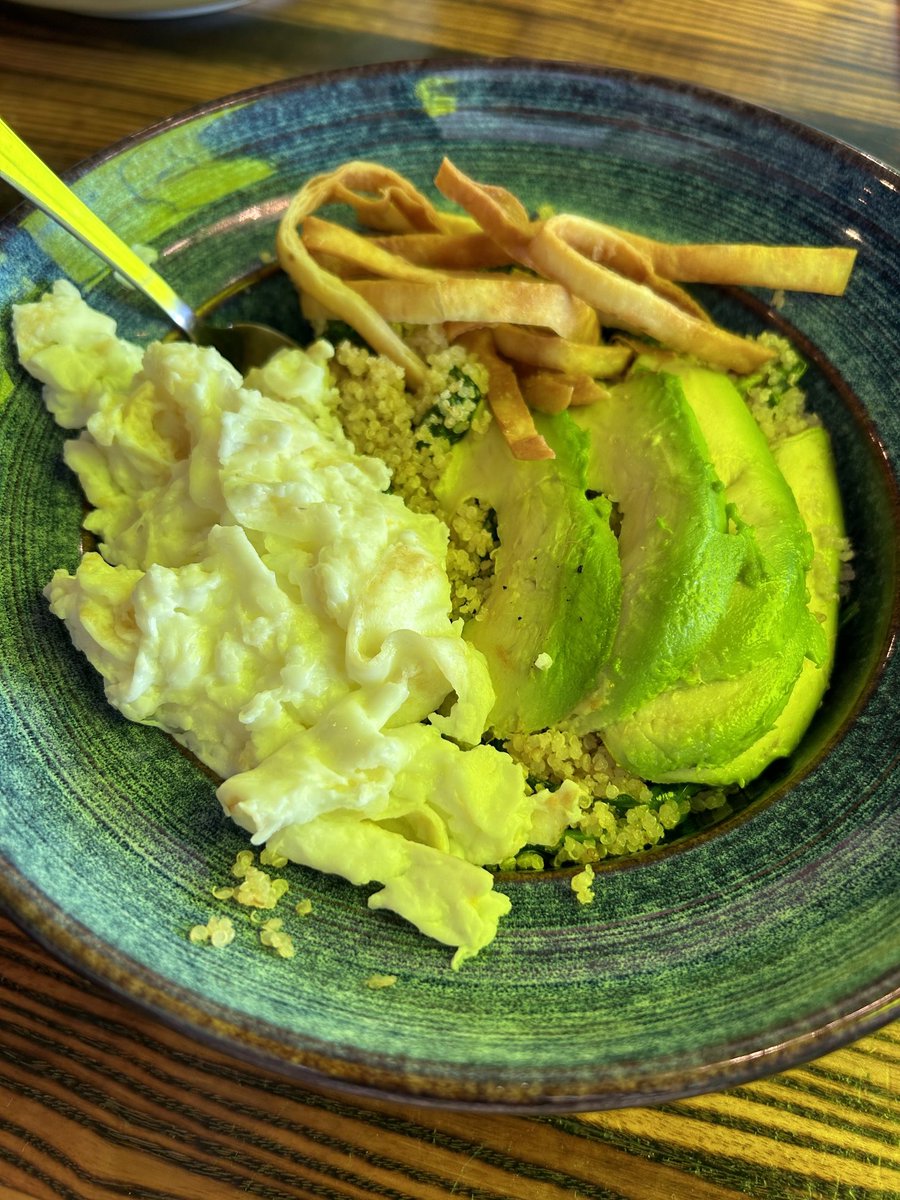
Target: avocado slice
<point>693,733</point>
<point>679,560</point>
<point>552,609</point>
<point>749,668</point>
<point>770,598</point>
<point>806,461</point>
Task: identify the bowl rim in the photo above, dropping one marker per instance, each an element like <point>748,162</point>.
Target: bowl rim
<point>454,62</point>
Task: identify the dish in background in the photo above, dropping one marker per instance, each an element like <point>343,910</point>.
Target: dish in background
<point>742,950</point>
<point>142,9</point>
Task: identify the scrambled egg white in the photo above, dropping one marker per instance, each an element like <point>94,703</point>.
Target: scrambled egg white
<point>260,595</point>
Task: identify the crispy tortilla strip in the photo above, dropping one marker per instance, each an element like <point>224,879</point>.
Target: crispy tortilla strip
<point>588,331</point>
<point>822,269</point>
<point>425,264</point>
<point>357,252</point>
<point>397,206</point>
<point>447,251</point>
<point>504,219</point>
<point>608,246</point>
<point>324,287</point>
<point>587,391</point>
<point>478,299</point>
<point>561,354</point>
<point>502,216</point>
<point>496,210</point>
<point>545,391</point>
<point>636,307</point>
<point>506,401</point>
<point>552,391</point>
<point>454,330</point>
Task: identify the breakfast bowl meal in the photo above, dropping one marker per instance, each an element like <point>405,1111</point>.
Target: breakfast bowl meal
<point>491,701</point>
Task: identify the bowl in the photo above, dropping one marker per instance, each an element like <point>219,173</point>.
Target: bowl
<point>741,949</point>
<point>145,10</point>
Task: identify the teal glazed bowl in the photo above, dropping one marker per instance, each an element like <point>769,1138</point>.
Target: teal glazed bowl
<point>739,950</point>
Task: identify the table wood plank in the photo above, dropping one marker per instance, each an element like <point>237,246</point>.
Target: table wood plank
<point>805,54</point>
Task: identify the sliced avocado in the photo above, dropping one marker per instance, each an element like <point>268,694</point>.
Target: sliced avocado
<point>806,461</point>
<point>693,733</point>
<point>749,668</point>
<point>679,560</point>
<point>553,605</point>
<point>770,598</point>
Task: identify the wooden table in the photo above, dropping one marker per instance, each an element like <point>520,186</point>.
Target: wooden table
<point>100,1101</point>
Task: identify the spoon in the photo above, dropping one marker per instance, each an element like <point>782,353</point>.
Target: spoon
<point>245,344</point>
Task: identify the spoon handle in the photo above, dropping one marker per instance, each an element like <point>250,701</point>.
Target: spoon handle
<point>22,168</point>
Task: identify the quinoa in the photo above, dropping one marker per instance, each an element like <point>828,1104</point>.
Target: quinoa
<point>383,419</point>
<point>582,885</point>
<point>257,890</point>
<point>773,394</point>
<point>379,982</point>
<point>272,936</point>
<point>218,931</point>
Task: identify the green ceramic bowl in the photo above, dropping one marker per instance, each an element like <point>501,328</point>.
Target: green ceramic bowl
<point>735,952</point>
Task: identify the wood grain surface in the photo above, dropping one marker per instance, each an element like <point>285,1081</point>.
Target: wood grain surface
<point>99,1101</point>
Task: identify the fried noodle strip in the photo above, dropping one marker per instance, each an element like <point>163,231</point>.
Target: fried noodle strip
<point>545,391</point>
<point>608,246</point>
<point>560,354</point>
<point>557,253</point>
<point>538,329</point>
<point>450,251</point>
<point>357,252</point>
<point>399,207</point>
<point>505,220</point>
<point>506,401</point>
<point>474,299</point>
<point>822,269</point>
<point>497,211</point>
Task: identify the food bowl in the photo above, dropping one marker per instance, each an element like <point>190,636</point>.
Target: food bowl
<point>739,949</point>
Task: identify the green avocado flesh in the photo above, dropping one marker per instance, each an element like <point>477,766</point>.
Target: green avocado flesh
<point>555,594</point>
<point>697,639</point>
<point>769,603</point>
<point>805,460</point>
<point>679,560</point>
<point>718,730</point>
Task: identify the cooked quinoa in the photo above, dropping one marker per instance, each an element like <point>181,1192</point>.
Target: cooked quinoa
<point>774,396</point>
<point>379,982</point>
<point>256,891</point>
<point>218,931</point>
<point>383,419</point>
<point>273,936</point>
<point>413,433</point>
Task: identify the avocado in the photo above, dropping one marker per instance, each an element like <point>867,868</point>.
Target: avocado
<point>770,598</point>
<point>679,560</point>
<point>693,733</point>
<point>748,669</point>
<point>805,459</point>
<point>553,604</point>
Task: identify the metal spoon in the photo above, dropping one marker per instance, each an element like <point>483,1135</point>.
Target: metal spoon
<point>244,343</point>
